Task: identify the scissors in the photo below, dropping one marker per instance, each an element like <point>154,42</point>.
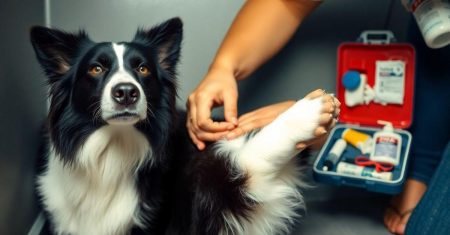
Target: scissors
<point>379,166</point>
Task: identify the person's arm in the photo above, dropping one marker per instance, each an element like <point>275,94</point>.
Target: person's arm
<point>260,30</point>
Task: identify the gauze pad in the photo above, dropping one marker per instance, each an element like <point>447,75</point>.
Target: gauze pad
<point>389,82</point>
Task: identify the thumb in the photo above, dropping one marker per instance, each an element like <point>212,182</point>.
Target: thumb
<point>230,107</point>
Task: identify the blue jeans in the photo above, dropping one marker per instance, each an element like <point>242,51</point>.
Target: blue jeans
<point>430,159</point>
<point>431,122</point>
<point>432,214</point>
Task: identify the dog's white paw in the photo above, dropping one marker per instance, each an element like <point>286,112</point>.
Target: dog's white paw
<point>300,121</point>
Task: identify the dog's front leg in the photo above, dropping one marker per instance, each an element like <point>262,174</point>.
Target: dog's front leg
<point>271,148</point>
<point>273,179</point>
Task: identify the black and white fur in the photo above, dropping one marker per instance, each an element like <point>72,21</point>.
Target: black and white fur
<point>118,159</point>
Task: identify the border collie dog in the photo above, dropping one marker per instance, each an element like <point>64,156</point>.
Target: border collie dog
<point>118,159</point>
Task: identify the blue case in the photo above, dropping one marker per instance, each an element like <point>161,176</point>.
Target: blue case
<point>371,184</point>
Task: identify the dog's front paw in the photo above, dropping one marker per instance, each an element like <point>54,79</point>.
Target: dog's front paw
<point>301,120</point>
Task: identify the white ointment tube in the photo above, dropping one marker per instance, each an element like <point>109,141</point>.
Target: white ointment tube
<point>352,169</point>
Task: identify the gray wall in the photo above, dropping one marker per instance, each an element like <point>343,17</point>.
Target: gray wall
<point>307,63</point>
<point>22,105</point>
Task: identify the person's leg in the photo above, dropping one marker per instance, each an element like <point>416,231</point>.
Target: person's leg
<point>432,214</point>
<point>397,214</point>
<point>430,130</point>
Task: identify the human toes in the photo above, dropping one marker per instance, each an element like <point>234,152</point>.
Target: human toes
<point>391,219</point>
<point>401,226</point>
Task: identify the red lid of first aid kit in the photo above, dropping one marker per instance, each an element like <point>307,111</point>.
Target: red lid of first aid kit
<point>374,62</point>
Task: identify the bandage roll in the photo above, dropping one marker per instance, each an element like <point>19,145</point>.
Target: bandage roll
<point>334,155</point>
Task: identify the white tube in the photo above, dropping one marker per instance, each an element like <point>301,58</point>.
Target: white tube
<point>352,169</point>
<point>334,155</point>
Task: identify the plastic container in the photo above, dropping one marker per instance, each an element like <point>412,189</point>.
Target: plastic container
<point>362,57</point>
<point>387,145</point>
<point>433,19</point>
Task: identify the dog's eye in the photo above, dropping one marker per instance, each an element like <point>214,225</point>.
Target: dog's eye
<point>143,70</point>
<point>95,70</point>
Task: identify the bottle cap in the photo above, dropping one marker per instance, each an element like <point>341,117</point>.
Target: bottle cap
<point>351,80</point>
<point>387,125</point>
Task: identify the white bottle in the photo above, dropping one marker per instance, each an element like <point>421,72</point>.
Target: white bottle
<point>387,145</point>
<point>433,19</point>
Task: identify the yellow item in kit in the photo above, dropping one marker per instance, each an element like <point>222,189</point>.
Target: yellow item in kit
<point>359,140</point>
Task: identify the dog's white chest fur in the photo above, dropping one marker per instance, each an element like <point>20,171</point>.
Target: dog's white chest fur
<point>97,195</point>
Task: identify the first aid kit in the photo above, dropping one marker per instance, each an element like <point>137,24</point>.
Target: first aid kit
<point>369,147</point>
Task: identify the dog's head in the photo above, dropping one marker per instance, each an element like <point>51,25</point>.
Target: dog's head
<point>110,83</point>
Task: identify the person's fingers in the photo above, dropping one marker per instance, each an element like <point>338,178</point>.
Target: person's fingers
<point>319,142</point>
<point>337,102</point>
<point>332,105</point>
<point>211,136</point>
<point>211,126</point>
<point>192,112</point>
<point>304,144</point>
<point>236,132</point>
<point>250,115</point>
<point>191,122</point>
<point>332,124</point>
<point>319,131</point>
<point>198,135</point>
<point>200,144</point>
<point>203,119</point>
<point>337,111</point>
<point>325,118</point>
<point>328,107</point>
<point>271,111</point>
<point>254,117</point>
<point>248,126</point>
<point>315,94</point>
<point>328,98</point>
<point>203,105</point>
<point>230,108</point>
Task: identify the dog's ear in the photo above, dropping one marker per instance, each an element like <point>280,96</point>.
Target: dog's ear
<point>166,39</point>
<point>55,49</point>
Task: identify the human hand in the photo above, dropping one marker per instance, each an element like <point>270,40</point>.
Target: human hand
<point>263,116</point>
<point>219,87</point>
<point>258,118</point>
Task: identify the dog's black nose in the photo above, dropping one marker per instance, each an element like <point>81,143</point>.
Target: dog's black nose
<point>125,93</point>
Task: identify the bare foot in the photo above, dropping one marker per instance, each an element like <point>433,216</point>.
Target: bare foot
<point>397,214</point>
